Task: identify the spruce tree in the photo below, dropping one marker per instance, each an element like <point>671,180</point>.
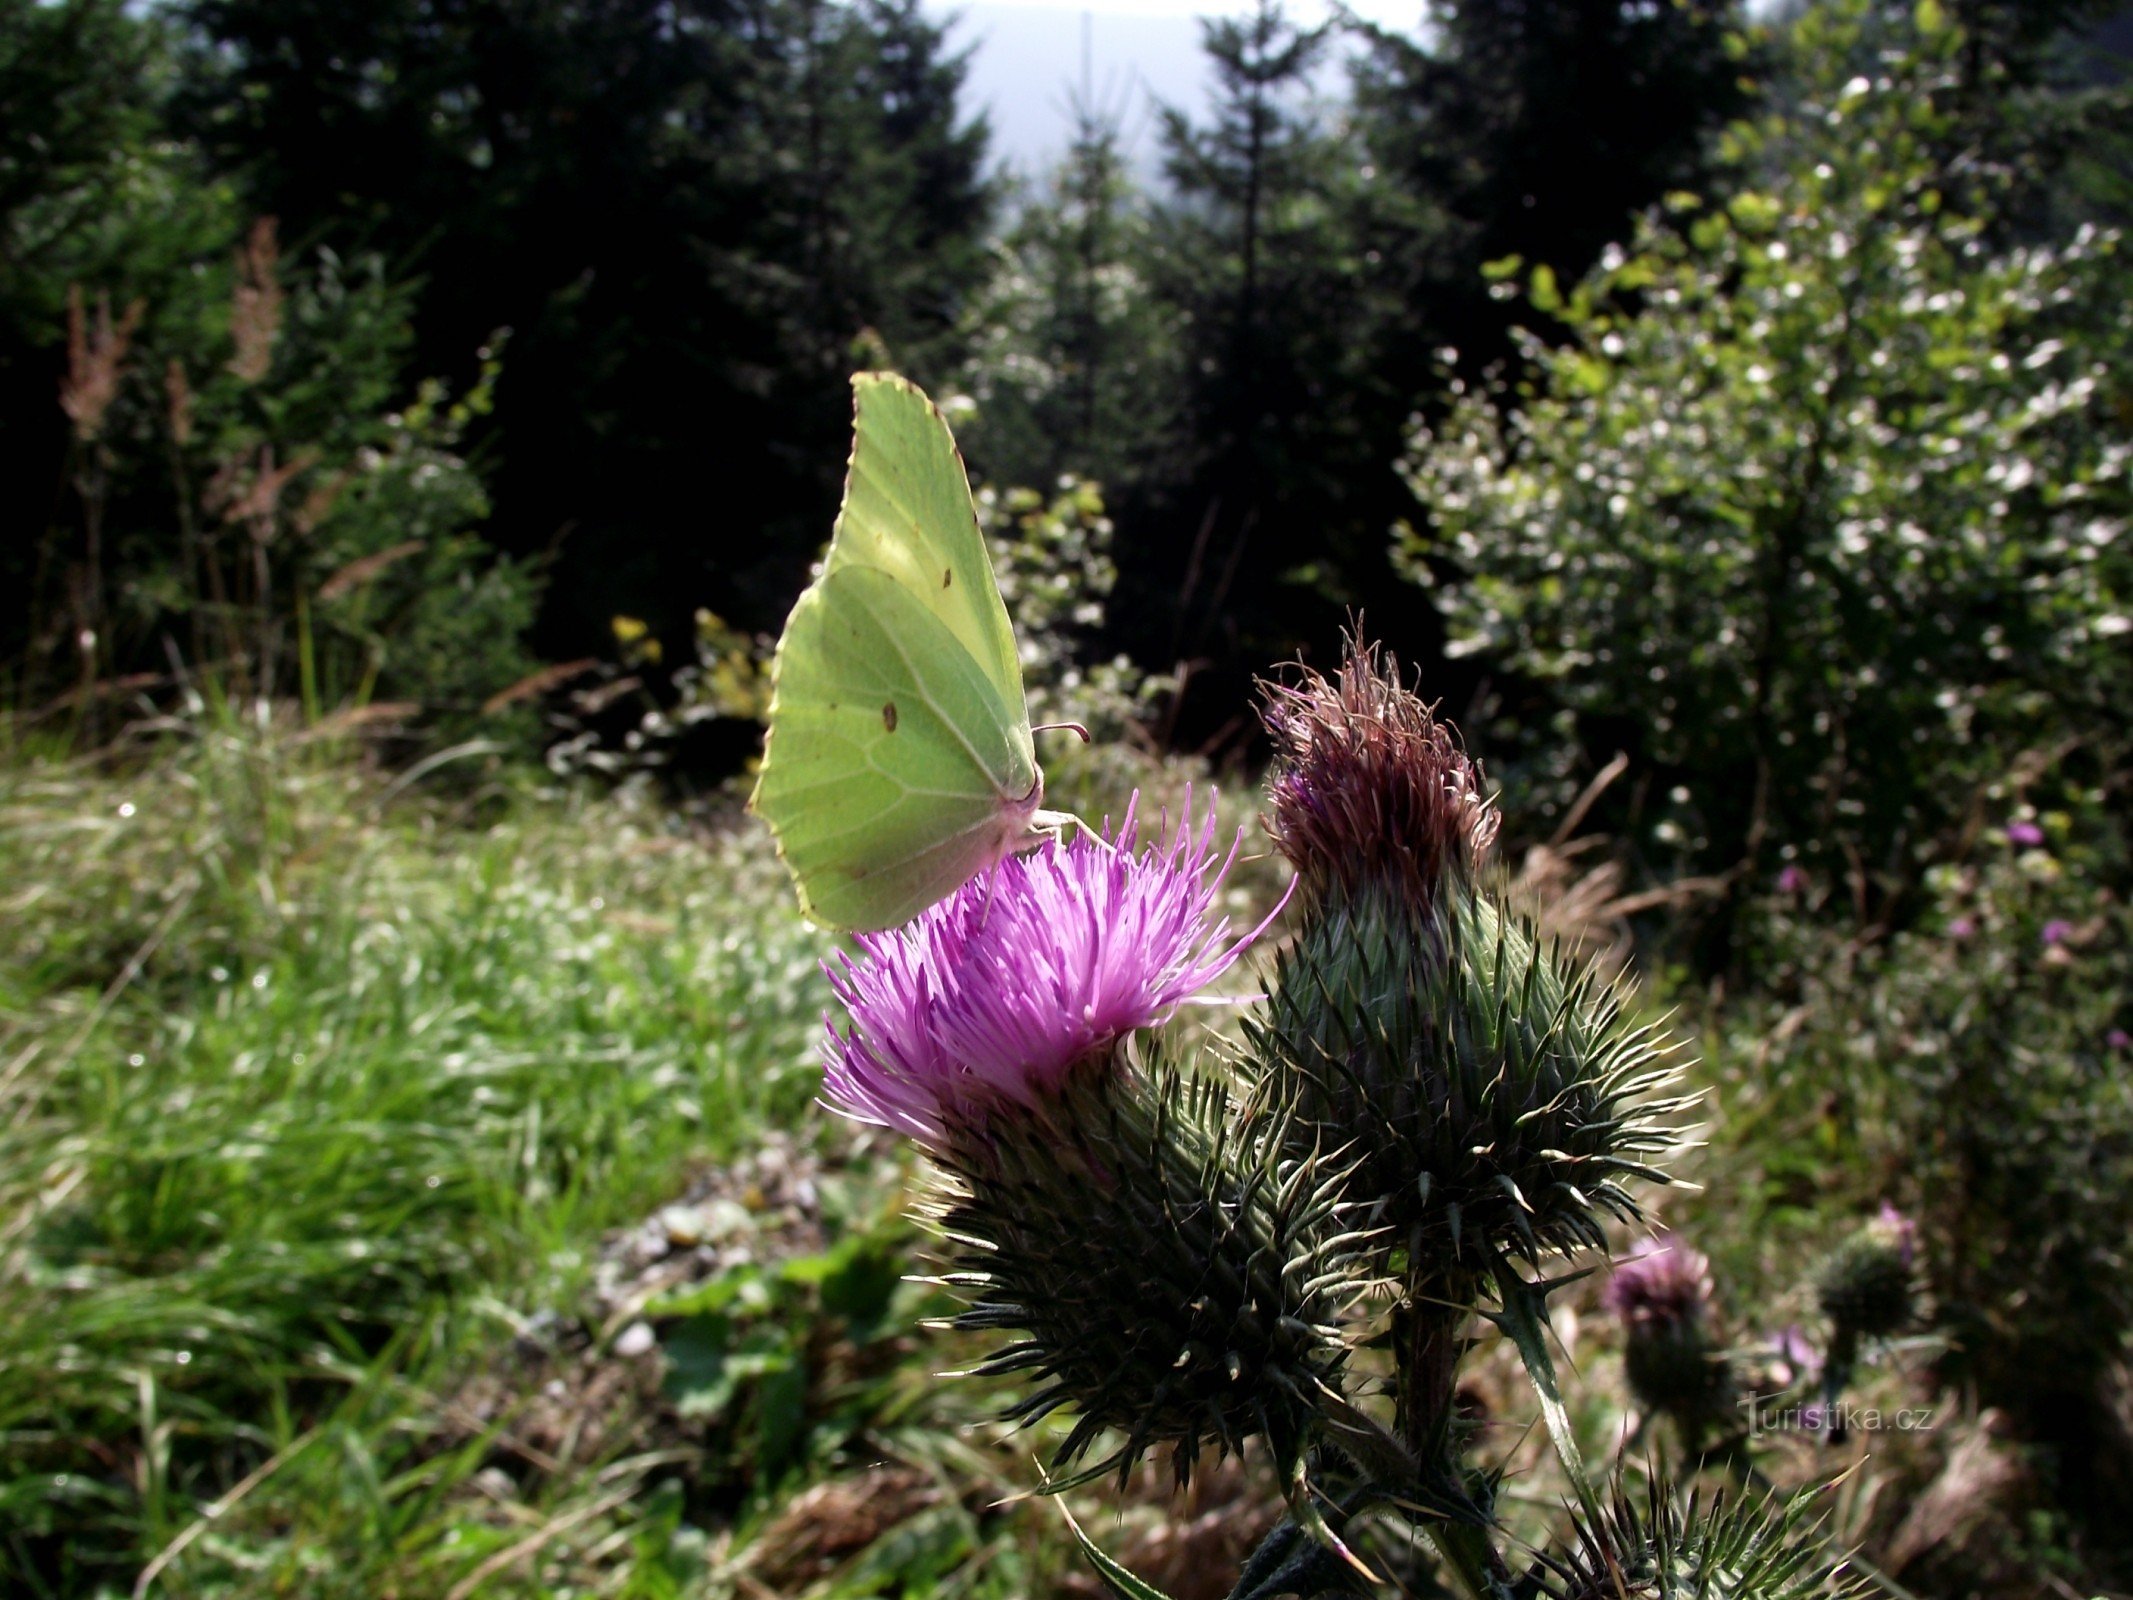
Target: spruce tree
<point>1538,129</point>
<point>695,217</point>
<point>1072,358</point>
<point>1260,523</point>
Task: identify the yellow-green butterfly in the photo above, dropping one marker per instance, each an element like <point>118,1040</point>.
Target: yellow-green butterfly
<point>900,762</point>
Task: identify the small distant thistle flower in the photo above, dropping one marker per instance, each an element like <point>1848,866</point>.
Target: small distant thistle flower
<point>997,995</point>
<point>2119,1039</point>
<point>1793,880</point>
<point>2026,834</point>
<point>2057,931</point>
<point>1961,927</point>
<point>1661,1280</point>
<point>1493,1100</point>
<point>1868,1287</point>
<point>1798,1361</point>
<point>1662,1292</point>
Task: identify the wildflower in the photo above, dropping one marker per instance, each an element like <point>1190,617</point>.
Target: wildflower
<point>1961,927</point>
<point>2057,931</point>
<point>1793,880</point>
<point>2119,1039</point>
<point>998,994</point>
<point>2026,834</point>
<point>1661,1280</point>
<point>1494,1099</point>
<point>1369,786</point>
<point>1900,1232</point>
<point>1868,1288</point>
<point>1798,1361</point>
<point>1662,1293</point>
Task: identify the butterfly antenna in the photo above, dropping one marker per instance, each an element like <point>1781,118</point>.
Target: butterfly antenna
<point>1070,727</point>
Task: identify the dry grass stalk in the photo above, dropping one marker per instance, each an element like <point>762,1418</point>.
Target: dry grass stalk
<point>96,360</point>
<point>364,568</point>
<point>380,715</point>
<point>1976,1485</point>
<point>319,503</point>
<point>255,304</point>
<point>256,501</point>
<point>178,397</point>
<point>536,684</point>
<point>1583,906</point>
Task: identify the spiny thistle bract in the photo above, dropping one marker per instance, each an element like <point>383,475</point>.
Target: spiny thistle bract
<point>1493,1104</point>
<point>1693,1548</point>
<point>1662,1292</point>
<point>1169,1279</point>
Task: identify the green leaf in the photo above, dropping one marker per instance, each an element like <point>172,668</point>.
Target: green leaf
<point>1522,1321</point>
<point>1116,1578</point>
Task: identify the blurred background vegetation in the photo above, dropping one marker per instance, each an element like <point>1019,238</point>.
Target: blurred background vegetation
<point>419,415</point>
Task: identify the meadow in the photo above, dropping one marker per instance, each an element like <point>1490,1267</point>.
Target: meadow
<point>414,1186</point>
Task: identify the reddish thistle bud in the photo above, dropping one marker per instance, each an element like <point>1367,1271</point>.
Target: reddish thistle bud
<point>1368,785</point>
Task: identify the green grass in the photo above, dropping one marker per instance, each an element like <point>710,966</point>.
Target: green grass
<point>325,1096</point>
<point>309,1092</point>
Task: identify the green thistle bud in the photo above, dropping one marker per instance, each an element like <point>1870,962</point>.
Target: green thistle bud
<point>1868,1287</point>
<point>1169,1279</point>
<point>1712,1549</point>
<point>1494,1102</point>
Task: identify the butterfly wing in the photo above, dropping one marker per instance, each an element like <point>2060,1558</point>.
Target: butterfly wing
<point>907,511</point>
<point>899,762</point>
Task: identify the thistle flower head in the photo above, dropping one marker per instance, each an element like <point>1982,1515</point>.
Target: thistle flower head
<point>995,996</point>
<point>1662,1292</point>
<point>1661,1280</point>
<point>1368,785</point>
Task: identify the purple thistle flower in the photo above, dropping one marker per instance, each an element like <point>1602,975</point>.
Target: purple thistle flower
<point>1660,1281</point>
<point>1793,880</point>
<point>1799,1360</point>
<point>995,995</point>
<point>2026,834</point>
<point>2118,1039</point>
<point>2057,931</point>
<point>1961,928</point>
<point>1899,1231</point>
